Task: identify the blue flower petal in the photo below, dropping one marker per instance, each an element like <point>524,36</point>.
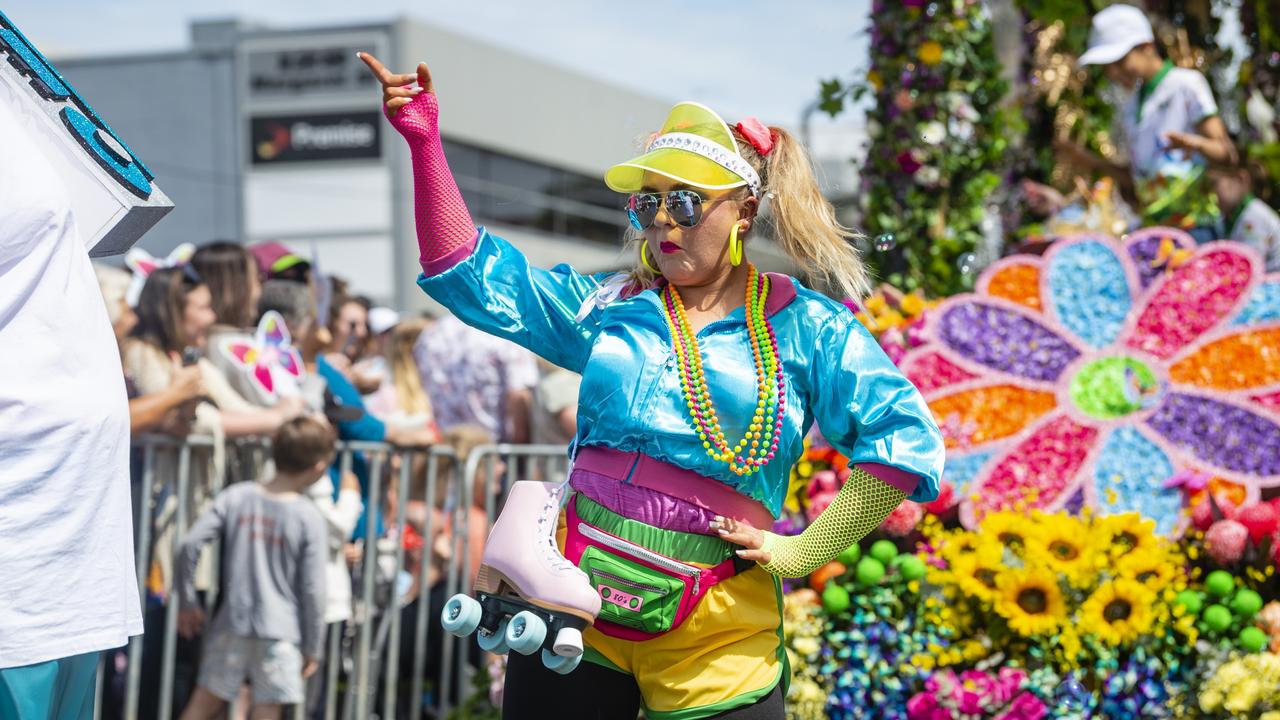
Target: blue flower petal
<point>1134,468</point>
<point>1090,291</point>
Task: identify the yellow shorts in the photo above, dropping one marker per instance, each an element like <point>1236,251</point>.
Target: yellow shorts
<point>728,653</point>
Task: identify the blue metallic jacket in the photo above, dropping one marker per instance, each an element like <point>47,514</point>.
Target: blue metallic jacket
<point>630,398</point>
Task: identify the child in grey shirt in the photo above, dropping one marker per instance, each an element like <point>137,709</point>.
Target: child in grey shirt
<point>270,627</point>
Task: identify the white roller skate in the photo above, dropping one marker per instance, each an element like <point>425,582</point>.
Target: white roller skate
<point>528,597</point>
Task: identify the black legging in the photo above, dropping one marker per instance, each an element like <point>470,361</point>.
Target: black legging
<point>594,692</point>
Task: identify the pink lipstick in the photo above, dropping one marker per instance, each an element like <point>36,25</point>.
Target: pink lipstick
<point>669,247</point>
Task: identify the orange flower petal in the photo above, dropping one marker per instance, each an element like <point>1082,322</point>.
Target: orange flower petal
<point>1245,360</point>
<point>1018,282</point>
<point>979,415</point>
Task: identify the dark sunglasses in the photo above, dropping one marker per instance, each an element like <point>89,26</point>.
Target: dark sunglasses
<point>684,207</point>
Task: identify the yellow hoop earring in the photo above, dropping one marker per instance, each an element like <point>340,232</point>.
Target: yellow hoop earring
<point>644,260</point>
<point>735,247</point>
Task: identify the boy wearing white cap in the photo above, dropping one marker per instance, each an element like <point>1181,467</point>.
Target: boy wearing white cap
<point>1171,121</point>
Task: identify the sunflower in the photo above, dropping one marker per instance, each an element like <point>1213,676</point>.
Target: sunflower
<point>1031,601</point>
<point>1118,612</point>
<point>1151,568</point>
<point>953,546</point>
<point>977,572</point>
<point>1010,529</point>
<point>1061,544</point>
<point>1120,535</point>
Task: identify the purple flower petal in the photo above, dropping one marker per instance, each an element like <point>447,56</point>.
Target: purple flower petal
<point>1144,249</point>
<point>1228,436</point>
<point>1005,340</point>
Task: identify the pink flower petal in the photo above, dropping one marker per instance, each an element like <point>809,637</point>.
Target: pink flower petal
<point>1191,300</point>
<point>1039,471</point>
<point>930,370</point>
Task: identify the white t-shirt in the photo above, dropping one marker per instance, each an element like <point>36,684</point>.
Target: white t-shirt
<point>1170,183</point>
<point>67,582</point>
<point>1180,101</point>
<point>1259,226</point>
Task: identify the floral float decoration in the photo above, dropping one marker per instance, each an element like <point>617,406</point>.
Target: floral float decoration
<point>1091,375</point>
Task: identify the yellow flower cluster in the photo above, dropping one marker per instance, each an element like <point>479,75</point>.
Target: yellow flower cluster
<point>806,697</point>
<point>1244,685</point>
<point>1064,580</point>
<point>888,308</point>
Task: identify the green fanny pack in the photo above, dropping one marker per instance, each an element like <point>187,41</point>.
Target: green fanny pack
<point>643,593</point>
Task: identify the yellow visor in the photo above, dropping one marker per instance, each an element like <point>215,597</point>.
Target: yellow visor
<point>695,148</point>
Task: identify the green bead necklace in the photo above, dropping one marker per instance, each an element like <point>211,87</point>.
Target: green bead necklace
<point>758,446</point>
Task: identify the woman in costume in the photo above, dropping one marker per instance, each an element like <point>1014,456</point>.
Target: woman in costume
<point>700,380</point>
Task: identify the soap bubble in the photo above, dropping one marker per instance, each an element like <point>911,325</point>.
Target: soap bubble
<point>1071,694</point>
<point>885,242</point>
<point>967,263</point>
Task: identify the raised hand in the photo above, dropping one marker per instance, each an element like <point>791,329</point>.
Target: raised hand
<point>397,89</point>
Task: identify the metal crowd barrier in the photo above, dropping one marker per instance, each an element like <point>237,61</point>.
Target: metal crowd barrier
<point>374,632</point>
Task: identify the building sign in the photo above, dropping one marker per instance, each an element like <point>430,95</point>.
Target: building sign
<point>315,136</point>
<point>309,71</point>
<point>113,195</point>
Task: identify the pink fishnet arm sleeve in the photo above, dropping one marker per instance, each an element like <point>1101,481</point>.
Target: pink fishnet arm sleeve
<point>446,233</point>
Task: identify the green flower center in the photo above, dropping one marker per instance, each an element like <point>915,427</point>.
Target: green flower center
<point>1113,387</point>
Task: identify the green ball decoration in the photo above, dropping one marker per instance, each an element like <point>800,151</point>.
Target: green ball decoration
<point>1246,603</point>
<point>869,571</point>
<point>1217,618</point>
<point>835,599</point>
<point>1252,640</point>
<point>884,551</point>
<point>1220,583</point>
<point>849,556</point>
<point>910,567</point>
<point>1190,599</point>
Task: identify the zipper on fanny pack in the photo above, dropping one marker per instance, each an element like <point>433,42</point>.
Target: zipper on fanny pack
<point>628,583</point>
<point>667,563</point>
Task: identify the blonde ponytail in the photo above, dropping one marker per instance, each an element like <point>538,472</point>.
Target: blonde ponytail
<point>804,223</point>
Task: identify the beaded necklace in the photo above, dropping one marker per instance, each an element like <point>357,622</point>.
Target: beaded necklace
<point>758,446</point>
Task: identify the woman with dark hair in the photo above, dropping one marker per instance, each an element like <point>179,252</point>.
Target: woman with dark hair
<point>231,274</point>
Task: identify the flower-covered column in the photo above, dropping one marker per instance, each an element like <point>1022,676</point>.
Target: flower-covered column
<point>937,139</point>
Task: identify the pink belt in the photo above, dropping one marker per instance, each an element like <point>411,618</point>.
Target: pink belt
<point>644,471</point>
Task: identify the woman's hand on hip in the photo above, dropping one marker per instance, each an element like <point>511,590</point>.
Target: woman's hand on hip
<point>397,89</point>
<point>742,533</point>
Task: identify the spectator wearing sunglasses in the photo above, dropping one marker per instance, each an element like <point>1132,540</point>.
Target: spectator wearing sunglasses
<point>700,379</point>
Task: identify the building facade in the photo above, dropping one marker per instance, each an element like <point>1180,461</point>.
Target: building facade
<point>264,134</point>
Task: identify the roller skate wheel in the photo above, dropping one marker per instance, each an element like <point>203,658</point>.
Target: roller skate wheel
<point>461,615</point>
<point>568,642</point>
<point>525,632</point>
<point>495,642</point>
<point>559,663</point>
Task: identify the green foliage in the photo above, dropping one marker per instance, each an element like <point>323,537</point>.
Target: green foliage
<point>938,138</point>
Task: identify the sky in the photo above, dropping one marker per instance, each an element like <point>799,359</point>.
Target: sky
<point>749,57</point>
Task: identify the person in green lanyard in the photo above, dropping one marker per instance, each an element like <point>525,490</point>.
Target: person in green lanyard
<point>1171,123</point>
<point>1246,218</point>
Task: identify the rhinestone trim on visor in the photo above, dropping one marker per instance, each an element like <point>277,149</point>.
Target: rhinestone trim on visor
<point>713,151</point>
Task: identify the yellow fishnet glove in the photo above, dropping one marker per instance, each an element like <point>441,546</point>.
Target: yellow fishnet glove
<point>860,506</point>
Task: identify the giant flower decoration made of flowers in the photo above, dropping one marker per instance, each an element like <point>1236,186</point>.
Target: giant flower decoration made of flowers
<point>1091,375</point>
